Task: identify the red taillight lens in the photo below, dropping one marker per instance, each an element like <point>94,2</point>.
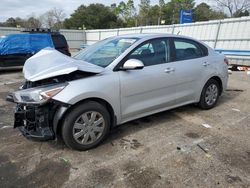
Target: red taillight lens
<point>226,61</point>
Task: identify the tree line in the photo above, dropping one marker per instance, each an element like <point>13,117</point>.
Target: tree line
<point>125,14</point>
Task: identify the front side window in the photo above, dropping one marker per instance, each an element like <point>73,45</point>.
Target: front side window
<point>105,52</point>
<point>152,52</point>
<point>186,49</point>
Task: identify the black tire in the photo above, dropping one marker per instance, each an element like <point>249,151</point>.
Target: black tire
<point>74,114</point>
<point>202,103</point>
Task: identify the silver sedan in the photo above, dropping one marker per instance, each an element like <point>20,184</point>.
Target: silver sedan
<point>112,82</point>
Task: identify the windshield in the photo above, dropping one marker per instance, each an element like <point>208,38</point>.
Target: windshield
<point>105,52</point>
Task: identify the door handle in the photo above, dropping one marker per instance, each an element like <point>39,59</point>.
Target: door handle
<point>205,64</point>
<point>169,70</point>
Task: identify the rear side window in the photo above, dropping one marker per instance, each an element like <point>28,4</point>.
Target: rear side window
<point>59,41</point>
<point>188,49</point>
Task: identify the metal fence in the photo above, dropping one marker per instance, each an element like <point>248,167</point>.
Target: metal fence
<point>231,34</point>
<point>227,34</point>
<point>74,37</point>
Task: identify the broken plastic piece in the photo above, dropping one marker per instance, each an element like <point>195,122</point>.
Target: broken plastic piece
<point>206,125</point>
<point>64,160</point>
<point>235,109</point>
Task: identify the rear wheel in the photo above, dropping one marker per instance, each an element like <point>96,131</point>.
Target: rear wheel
<point>209,95</point>
<point>86,126</point>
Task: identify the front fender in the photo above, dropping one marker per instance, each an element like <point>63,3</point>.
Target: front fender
<point>58,116</point>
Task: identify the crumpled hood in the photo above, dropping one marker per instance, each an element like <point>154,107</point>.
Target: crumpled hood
<point>49,63</point>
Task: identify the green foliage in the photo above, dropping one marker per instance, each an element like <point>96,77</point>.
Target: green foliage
<point>241,13</point>
<point>94,16</point>
<point>203,12</point>
<point>31,22</point>
<point>154,15</point>
<point>124,14</point>
<point>127,12</point>
<point>144,12</point>
<point>172,10</point>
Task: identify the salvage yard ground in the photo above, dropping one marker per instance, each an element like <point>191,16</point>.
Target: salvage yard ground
<point>184,147</point>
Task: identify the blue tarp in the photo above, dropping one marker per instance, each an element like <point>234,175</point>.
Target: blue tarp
<point>24,43</point>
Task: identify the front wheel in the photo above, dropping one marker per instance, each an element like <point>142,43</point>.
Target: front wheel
<point>209,95</point>
<point>86,125</point>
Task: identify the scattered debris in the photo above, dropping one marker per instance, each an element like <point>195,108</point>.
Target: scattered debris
<point>235,109</point>
<point>240,68</point>
<point>6,83</point>
<point>74,168</point>
<point>192,135</point>
<point>203,149</point>
<point>232,179</point>
<point>206,125</point>
<point>6,127</point>
<point>133,144</point>
<point>64,160</point>
<point>239,90</point>
<point>209,156</point>
<point>124,140</point>
<point>198,141</point>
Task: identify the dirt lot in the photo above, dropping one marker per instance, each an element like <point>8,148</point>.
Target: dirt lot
<point>169,149</point>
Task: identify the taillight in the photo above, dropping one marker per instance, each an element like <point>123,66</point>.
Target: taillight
<point>226,61</point>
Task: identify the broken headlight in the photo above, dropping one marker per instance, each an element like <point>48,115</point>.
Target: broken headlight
<point>38,95</point>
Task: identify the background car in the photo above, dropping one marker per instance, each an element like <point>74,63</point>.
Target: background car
<point>112,82</point>
<point>15,49</point>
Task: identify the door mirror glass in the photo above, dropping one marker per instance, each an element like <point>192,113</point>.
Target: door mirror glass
<point>133,64</point>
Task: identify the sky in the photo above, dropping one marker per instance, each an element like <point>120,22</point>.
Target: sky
<point>25,8</point>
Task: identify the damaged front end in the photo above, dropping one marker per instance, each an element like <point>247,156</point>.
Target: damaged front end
<point>36,111</point>
<point>47,73</point>
<point>35,121</point>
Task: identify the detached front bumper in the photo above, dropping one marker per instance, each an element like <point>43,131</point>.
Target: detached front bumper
<point>35,121</point>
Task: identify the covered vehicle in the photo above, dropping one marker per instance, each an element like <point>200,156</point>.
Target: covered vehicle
<point>112,82</point>
<point>15,49</point>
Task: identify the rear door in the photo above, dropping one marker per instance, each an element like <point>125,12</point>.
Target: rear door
<point>152,88</point>
<point>191,63</point>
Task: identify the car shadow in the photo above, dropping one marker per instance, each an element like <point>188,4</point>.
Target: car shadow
<point>131,127</point>
<point>229,94</point>
<point>10,70</point>
<point>165,116</point>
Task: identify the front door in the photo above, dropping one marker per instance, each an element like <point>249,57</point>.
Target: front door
<point>147,90</point>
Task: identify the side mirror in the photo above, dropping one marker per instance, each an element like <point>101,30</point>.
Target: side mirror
<point>133,64</point>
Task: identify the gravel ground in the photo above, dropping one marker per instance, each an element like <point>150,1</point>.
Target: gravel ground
<point>168,149</point>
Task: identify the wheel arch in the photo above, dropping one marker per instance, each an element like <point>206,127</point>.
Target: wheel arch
<point>218,79</point>
<point>62,112</point>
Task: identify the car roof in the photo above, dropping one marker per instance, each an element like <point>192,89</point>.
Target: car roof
<point>150,35</point>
